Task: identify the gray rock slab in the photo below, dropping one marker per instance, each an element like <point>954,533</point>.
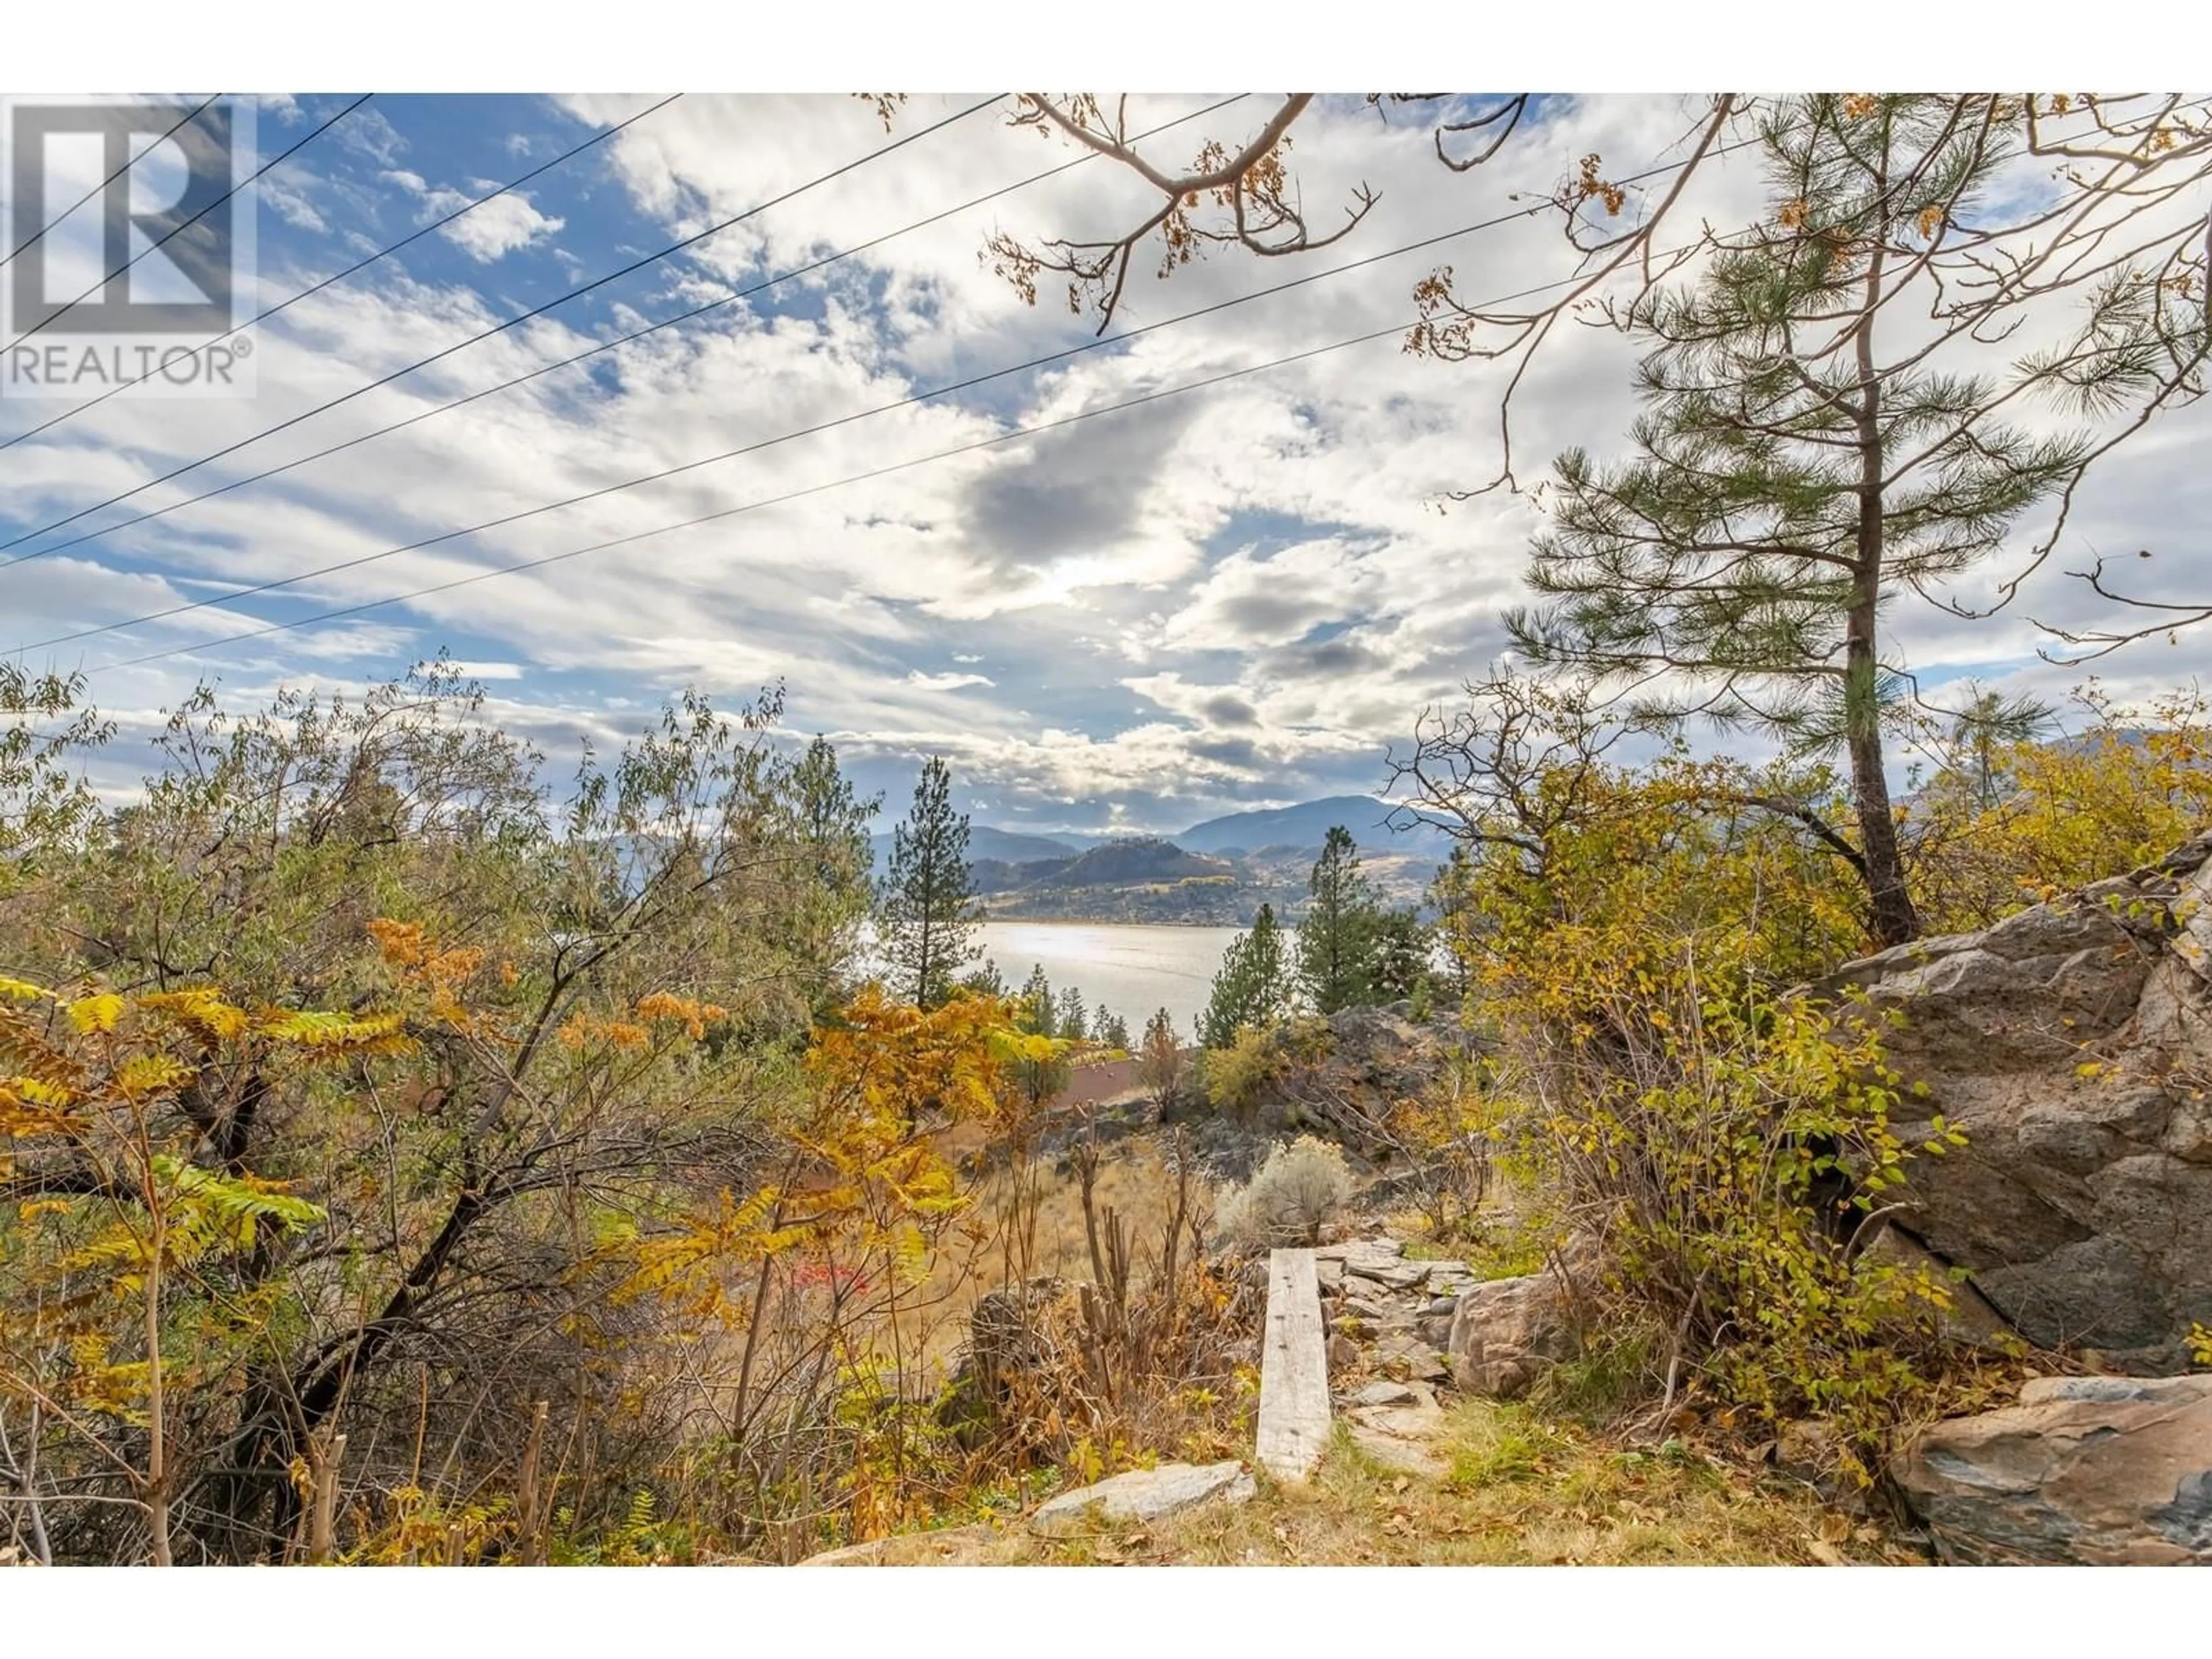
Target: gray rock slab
<point>1141,1496</point>
<point>1383,1392</point>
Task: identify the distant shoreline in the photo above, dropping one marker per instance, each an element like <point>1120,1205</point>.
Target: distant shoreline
<point>1104,921</point>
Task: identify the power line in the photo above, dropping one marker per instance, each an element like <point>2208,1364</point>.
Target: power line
<point>501,328</point>
<point>62,217</point>
<point>265,168</point>
<point>619,341</point>
<point>440,223</point>
<point>1031,430</point>
<point>908,401</point>
<point>765,501</point>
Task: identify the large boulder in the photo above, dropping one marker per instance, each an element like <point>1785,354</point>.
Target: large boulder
<point>2105,1470</point>
<point>2072,1044</point>
<point>1506,1332</point>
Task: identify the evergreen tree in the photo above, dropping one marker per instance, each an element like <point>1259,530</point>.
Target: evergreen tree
<point>1992,721</point>
<point>1073,1021</point>
<point>1251,989</point>
<point>1401,959</point>
<point>1111,1030</point>
<point>832,821</point>
<point>1038,1013</point>
<point>829,825</point>
<point>1802,458</point>
<point>927,916</point>
<point>1337,938</point>
<point>985,982</point>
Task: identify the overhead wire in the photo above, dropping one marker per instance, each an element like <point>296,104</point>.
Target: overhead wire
<point>174,231</point>
<point>136,156</point>
<point>1031,429</point>
<point>910,400</point>
<point>337,276</point>
<point>497,329</point>
<point>746,293</point>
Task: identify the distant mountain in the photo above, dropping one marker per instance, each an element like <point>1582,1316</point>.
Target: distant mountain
<point>997,876</point>
<point>1138,858</point>
<point>1005,846</point>
<point>1306,825</point>
<point>1218,872</point>
<point>1131,878</point>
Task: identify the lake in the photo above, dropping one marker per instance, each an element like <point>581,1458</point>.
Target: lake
<point>1130,969</point>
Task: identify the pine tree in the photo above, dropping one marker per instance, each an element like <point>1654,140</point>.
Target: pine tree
<point>985,982</point>
<point>1111,1030</point>
<point>1039,1013</point>
<point>1801,460</point>
<point>1991,721</point>
<point>927,914</point>
<point>1251,987</point>
<point>1402,949</point>
<point>1337,937</point>
<point>829,825</point>
<point>832,821</point>
<point>1073,1021</point>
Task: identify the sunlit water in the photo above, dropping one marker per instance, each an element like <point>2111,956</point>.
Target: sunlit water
<point>1131,969</point>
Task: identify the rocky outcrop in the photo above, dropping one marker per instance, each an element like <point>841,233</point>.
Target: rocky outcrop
<point>1431,1324</point>
<point>1340,1078</point>
<point>2103,1470</point>
<point>2072,1044</point>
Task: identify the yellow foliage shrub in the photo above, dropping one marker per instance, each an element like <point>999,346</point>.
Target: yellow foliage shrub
<point>1726,1141</point>
<point>2129,788</point>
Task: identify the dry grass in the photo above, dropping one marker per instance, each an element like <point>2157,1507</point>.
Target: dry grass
<point>1133,1181</point>
<point>1522,1490</point>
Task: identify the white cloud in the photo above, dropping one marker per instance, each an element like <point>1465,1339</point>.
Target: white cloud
<point>488,231</point>
<point>1262,563</point>
<point>366,129</point>
<point>494,228</point>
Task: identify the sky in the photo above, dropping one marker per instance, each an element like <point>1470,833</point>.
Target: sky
<point>1237,596</point>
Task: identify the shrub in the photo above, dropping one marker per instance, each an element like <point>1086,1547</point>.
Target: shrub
<point>2131,785</point>
<point>1160,1064</point>
<point>1727,1141</point>
<point>1303,1186</point>
<point>1235,1075</point>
